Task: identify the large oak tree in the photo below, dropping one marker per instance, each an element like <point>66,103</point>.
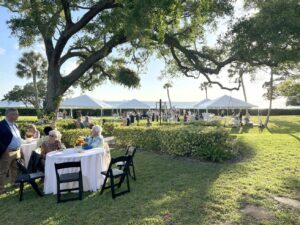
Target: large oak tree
<point>111,39</point>
<point>103,37</point>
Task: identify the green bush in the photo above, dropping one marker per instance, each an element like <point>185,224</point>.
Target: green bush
<point>108,128</point>
<point>69,136</point>
<point>209,143</point>
<point>66,124</point>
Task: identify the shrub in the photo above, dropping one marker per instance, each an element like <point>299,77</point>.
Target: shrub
<point>210,143</point>
<point>108,128</point>
<point>66,124</point>
<point>69,136</point>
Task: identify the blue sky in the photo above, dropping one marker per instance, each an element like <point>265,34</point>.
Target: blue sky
<point>184,89</point>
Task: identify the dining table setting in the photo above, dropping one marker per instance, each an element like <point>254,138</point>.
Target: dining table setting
<point>92,162</point>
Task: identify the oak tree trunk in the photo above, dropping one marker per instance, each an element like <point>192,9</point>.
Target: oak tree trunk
<point>55,90</point>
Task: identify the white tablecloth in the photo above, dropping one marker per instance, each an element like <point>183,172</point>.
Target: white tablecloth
<point>27,149</point>
<point>93,161</point>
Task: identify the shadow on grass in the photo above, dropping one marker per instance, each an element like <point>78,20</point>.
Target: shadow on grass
<point>285,127</point>
<point>245,130</point>
<point>166,191</point>
<point>293,184</point>
<point>295,136</point>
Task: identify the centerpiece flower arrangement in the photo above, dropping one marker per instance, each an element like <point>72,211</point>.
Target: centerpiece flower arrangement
<point>80,141</point>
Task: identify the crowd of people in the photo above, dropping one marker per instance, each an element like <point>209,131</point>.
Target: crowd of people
<point>51,140</point>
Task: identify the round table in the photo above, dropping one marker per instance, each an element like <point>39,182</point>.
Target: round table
<point>93,161</point>
<point>27,149</point>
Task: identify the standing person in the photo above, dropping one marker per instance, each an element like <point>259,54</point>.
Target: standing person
<point>128,120</point>
<point>132,115</point>
<point>86,122</point>
<point>241,117</point>
<point>222,113</point>
<point>137,117</point>
<point>10,143</point>
<point>185,117</point>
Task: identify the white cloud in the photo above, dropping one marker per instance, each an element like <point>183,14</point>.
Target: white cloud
<point>2,51</point>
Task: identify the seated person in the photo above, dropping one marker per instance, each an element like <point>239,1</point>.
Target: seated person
<point>32,132</point>
<point>45,137</point>
<point>96,140</point>
<point>52,144</point>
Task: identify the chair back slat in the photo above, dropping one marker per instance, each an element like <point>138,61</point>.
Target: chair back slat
<point>34,162</point>
<point>125,159</point>
<point>65,165</point>
<point>131,151</point>
<point>21,167</point>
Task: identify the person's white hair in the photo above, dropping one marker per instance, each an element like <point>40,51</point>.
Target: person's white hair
<point>55,133</point>
<point>97,129</point>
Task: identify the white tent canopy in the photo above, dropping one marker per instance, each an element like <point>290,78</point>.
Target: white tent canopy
<point>201,102</point>
<point>84,102</point>
<point>133,104</point>
<point>11,104</point>
<point>226,102</point>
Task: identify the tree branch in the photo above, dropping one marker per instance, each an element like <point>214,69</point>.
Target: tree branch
<point>93,58</point>
<point>46,38</point>
<point>79,6</point>
<point>71,55</point>
<point>74,28</point>
<point>66,7</point>
<point>191,57</point>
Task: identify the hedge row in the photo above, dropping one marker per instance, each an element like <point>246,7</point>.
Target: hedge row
<point>209,143</point>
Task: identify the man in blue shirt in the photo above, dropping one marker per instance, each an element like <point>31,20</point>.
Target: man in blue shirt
<point>10,143</point>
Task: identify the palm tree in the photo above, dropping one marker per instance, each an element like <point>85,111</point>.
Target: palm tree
<point>204,86</point>
<point>32,65</point>
<point>167,86</point>
<point>241,72</point>
<point>270,95</point>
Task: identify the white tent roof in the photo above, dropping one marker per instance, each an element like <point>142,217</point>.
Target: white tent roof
<point>133,104</point>
<point>11,104</point>
<point>201,102</point>
<point>226,102</point>
<point>84,102</point>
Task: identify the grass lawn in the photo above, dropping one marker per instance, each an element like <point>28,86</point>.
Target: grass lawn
<point>172,190</point>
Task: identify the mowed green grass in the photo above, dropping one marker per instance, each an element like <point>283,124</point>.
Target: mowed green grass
<point>172,190</point>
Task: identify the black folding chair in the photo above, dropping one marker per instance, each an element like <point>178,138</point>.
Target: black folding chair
<point>29,174</point>
<point>130,151</point>
<point>115,173</point>
<point>67,178</point>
